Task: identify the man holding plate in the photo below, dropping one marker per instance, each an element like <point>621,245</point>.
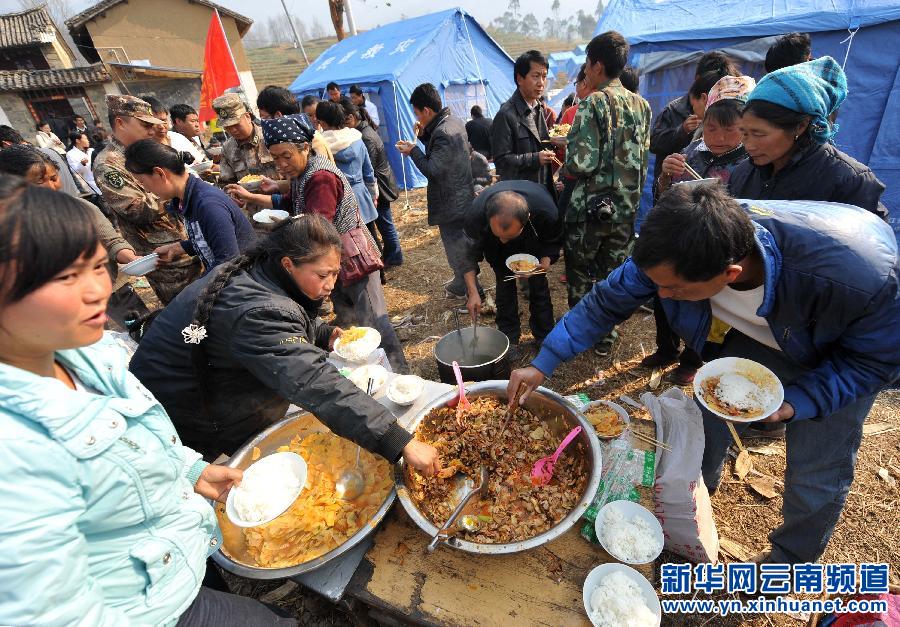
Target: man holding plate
<point>810,290</point>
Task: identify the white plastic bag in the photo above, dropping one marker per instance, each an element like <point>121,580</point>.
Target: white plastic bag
<point>682,500</point>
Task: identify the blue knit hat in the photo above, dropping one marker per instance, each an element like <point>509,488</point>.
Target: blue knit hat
<point>815,88</point>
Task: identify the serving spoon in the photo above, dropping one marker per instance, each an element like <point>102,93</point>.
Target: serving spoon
<point>442,533</point>
<point>351,483</point>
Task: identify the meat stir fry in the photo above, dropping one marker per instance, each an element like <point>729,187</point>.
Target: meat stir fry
<point>513,509</point>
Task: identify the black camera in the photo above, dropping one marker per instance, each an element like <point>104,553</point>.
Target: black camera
<point>600,208</point>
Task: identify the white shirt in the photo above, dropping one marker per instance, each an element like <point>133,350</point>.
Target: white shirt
<point>75,156</point>
<point>372,110</point>
<point>182,143</point>
<point>737,308</point>
<point>50,140</point>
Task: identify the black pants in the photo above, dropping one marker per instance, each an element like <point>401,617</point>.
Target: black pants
<point>539,305</point>
<point>213,608</point>
<point>667,341</point>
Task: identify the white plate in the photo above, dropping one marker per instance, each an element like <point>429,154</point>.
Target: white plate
<point>596,576</point>
<point>522,257</point>
<point>142,266</point>
<point>360,377</point>
<point>697,182</point>
<point>201,167</point>
<point>417,383</point>
<point>617,408</point>
<point>270,216</point>
<point>737,365</point>
<point>300,468</point>
<point>359,350</point>
<point>629,510</point>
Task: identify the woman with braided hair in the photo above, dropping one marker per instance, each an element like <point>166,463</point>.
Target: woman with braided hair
<point>234,349</point>
<point>316,185</point>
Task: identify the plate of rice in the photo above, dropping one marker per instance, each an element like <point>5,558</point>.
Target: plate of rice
<point>268,489</point>
<point>405,389</point>
<point>629,532</point>
<point>738,389</point>
<point>616,595</point>
<point>357,343</point>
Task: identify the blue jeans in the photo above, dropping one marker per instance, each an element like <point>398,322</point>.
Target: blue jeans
<point>821,456</point>
<point>391,252</point>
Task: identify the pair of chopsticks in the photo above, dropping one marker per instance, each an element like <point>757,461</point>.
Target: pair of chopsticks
<point>692,171</point>
<point>510,409</point>
<point>646,439</point>
<point>558,162</point>
<point>525,276</point>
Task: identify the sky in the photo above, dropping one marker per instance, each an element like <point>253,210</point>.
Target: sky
<point>370,13</point>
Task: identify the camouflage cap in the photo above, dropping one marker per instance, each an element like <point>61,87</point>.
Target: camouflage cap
<point>132,107</point>
<point>229,108</point>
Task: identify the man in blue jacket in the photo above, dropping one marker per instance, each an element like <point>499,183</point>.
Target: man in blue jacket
<point>809,289</point>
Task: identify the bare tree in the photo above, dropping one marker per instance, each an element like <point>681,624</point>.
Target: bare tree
<point>337,17</point>
<point>317,29</point>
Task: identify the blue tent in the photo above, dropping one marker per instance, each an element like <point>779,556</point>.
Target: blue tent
<point>667,39</point>
<point>448,49</point>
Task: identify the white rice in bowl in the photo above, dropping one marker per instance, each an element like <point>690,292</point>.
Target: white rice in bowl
<point>632,540</point>
<point>618,602</point>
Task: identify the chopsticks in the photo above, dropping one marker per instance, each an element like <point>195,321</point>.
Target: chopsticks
<point>510,409</point>
<point>692,171</point>
<point>646,439</point>
<point>525,276</point>
<point>558,162</point>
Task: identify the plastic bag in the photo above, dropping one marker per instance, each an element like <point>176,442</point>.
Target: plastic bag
<point>682,500</point>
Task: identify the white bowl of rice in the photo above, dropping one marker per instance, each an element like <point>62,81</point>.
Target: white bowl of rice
<point>269,487</point>
<point>357,343</point>
<point>738,389</point>
<point>616,595</point>
<point>405,389</point>
<point>629,532</point>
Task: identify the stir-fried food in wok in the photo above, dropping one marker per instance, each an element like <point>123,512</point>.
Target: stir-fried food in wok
<point>319,520</point>
<point>514,509</point>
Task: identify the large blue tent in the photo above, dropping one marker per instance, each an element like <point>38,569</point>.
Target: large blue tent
<point>667,38</point>
<point>448,49</point>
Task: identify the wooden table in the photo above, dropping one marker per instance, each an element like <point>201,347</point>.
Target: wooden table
<point>541,586</point>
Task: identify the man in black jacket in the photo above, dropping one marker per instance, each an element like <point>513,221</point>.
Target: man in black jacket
<point>478,130</point>
<point>508,218</point>
<point>520,127</point>
<point>445,163</point>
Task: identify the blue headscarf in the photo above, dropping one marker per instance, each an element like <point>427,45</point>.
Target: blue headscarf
<point>815,88</point>
<point>288,129</point>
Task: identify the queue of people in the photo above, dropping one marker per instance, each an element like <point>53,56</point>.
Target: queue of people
<point>802,275</point>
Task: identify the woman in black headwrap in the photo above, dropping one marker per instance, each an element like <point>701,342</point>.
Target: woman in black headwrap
<point>317,186</point>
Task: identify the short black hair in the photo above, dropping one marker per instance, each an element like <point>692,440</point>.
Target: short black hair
<point>78,117</point>
<point>582,73</point>
<point>475,112</point>
<point>703,83</point>
<point>308,101</point>
<point>610,49</point>
<point>717,61</point>
<point>156,106</point>
<point>10,135</point>
<point>523,63</point>
<point>699,231</point>
<point>42,232</point>
<point>332,85</point>
<point>181,112</point>
<point>331,113</point>
<point>426,95</point>
<point>274,99</point>
<point>631,79</point>
<point>40,123</point>
<point>724,112</point>
<point>568,102</point>
<point>349,109</point>
<point>509,205</point>
<point>74,136</point>
<point>790,49</point>
<point>354,89</point>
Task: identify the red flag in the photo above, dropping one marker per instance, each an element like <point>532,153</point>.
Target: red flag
<point>219,70</point>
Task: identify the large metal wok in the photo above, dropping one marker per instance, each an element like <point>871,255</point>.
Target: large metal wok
<point>560,417</point>
<point>233,555</point>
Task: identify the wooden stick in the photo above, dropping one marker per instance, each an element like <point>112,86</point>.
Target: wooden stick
<point>652,441</point>
<point>525,276</point>
<point>734,434</point>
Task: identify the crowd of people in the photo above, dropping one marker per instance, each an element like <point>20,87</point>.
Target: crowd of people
<point>114,458</point>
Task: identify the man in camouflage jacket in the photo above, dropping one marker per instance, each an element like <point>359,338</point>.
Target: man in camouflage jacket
<point>143,219</point>
<point>607,152</point>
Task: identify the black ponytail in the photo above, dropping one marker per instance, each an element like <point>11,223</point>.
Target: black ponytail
<point>144,155</point>
<point>303,239</point>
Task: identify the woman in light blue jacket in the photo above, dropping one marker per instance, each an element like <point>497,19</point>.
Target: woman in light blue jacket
<point>104,517</point>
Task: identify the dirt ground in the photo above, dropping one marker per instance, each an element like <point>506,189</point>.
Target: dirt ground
<point>415,296</point>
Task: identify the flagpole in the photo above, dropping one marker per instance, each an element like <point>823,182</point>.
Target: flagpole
<point>228,45</point>
<point>297,40</point>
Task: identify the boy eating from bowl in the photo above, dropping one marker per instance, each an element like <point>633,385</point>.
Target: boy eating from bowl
<point>810,290</point>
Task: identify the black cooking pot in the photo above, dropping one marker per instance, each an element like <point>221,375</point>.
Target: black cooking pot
<point>484,361</point>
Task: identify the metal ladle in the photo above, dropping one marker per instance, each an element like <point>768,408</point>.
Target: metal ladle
<point>351,483</point>
<point>443,533</point>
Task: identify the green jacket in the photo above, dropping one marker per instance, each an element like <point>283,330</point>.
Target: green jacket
<point>607,151</point>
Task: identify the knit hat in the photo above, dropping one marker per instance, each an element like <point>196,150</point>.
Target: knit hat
<point>288,129</point>
<point>730,88</point>
<point>815,88</point>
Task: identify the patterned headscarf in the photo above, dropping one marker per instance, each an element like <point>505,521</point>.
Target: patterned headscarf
<point>730,88</point>
<point>815,88</point>
<point>289,129</point>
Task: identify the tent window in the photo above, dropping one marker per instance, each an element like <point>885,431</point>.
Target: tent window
<point>461,98</point>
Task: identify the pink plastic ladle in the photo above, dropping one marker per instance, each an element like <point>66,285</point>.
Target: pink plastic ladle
<point>543,468</point>
<point>463,403</point>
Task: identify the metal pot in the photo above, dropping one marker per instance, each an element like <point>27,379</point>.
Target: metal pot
<point>487,360</point>
<point>233,555</point>
<point>560,417</point>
